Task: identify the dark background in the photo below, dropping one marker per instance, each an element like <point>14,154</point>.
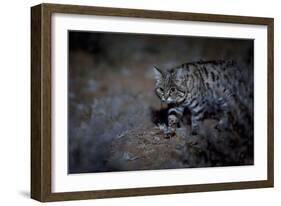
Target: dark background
<point>112,105</point>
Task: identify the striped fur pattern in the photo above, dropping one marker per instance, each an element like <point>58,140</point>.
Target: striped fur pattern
<point>201,87</point>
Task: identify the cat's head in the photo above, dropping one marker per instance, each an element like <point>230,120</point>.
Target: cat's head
<point>170,85</point>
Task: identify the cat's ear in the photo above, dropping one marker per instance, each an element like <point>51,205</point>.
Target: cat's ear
<point>158,74</point>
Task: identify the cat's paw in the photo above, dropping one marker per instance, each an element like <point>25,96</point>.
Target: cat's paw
<point>173,121</point>
<point>222,127</point>
<point>170,132</point>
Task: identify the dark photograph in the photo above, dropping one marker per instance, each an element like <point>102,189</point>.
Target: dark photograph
<point>149,102</point>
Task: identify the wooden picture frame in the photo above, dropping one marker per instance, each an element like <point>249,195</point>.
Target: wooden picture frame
<point>41,97</point>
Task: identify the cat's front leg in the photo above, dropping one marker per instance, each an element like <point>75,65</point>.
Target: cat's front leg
<point>174,117</point>
<point>223,124</point>
<point>173,122</point>
<point>196,116</point>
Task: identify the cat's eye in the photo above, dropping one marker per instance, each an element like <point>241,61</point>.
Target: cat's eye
<point>160,89</point>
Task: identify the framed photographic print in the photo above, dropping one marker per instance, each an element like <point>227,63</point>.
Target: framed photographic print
<point>132,102</point>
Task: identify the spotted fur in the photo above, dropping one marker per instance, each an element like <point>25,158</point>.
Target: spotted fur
<point>202,87</point>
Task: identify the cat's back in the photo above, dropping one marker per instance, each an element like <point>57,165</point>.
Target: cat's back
<point>218,73</point>
<point>213,71</point>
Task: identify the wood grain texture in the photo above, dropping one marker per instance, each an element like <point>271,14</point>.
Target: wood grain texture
<point>270,102</point>
<point>41,101</point>
<point>138,13</point>
<point>36,58</point>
